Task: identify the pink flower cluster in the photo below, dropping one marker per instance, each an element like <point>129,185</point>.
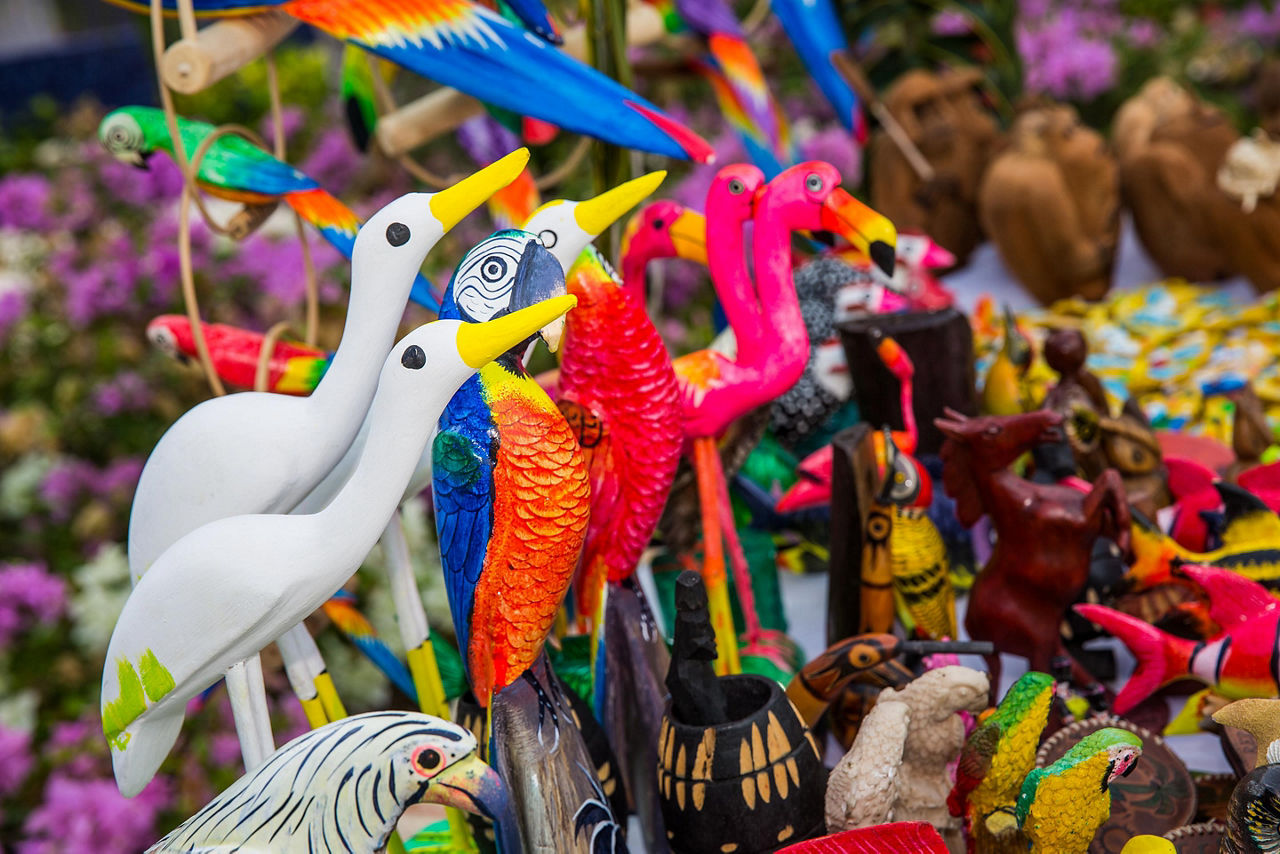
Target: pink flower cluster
<point>1066,46</point>
<point>29,596</point>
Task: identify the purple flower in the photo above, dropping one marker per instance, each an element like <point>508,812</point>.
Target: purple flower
<point>951,22</point>
<point>92,815</point>
<point>291,120</point>
<point>127,392</point>
<point>24,202</point>
<point>1066,49</point>
<point>63,486</point>
<point>835,146</point>
<point>15,759</point>
<point>13,307</point>
<point>28,596</point>
<point>159,181</point>
<point>334,161</point>
<point>485,140</point>
<point>119,478</point>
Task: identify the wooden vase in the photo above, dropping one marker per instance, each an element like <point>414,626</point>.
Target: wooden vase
<point>754,784</point>
<point>940,344</point>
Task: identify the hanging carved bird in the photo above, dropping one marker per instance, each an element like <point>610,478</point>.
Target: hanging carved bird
<point>237,170</point>
<point>475,50</point>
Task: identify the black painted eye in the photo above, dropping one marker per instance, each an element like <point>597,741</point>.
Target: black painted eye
<point>494,268</point>
<point>658,223</point>
<point>547,238</point>
<point>736,187</point>
<point>428,760</point>
<point>397,234</point>
<point>413,358</point>
<point>813,183</point>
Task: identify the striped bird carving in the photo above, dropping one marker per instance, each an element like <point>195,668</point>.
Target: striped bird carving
<point>342,787</point>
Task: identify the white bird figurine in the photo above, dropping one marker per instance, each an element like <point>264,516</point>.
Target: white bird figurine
<point>262,453</point>
<point>224,591</point>
<point>343,787</point>
<point>565,228</point>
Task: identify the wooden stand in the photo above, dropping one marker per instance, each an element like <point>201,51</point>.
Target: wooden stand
<point>221,49</point>
<point>853,484</point>
<point>940,344</point>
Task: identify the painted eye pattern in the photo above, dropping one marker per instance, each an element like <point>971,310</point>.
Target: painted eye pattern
<point>548,238</point>
<point>427,760</point>
<point>658,224</point>
<point>737,187</point>
<point>397,234</point>
<point>414,358</point>
<point>483,284</point>
<point>813,183</point>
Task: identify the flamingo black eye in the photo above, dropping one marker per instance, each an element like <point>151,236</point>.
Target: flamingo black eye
<point>813,183</point>
<point>413,358</point>
<point>397,234</point>
<point>494,268</point>
<point>428,760</point>
<point>548,238</point>
<point>737,187</point>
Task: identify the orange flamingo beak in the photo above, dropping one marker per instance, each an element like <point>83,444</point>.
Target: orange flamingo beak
<point>867,231</point>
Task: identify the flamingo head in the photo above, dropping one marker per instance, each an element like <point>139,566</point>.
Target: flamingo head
<point>808,196</point>
<point>662,229</point>
<point>732,196</point>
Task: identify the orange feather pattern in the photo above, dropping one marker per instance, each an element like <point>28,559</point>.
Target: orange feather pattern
<point>541,504</point>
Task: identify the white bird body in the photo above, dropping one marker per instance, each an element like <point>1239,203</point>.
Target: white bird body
<point>227,589</point>
<point>256,452</point>
<point>565,228</point>
<point>343,787</point>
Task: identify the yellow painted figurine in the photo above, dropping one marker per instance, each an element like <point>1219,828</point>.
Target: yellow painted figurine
<point>1062,806</point>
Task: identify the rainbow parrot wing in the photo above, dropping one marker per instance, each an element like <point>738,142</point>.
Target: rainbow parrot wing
<point>237,164</point>
<point>342,611</point>
<point>474,50</point>
<point>462,485</point>
<point>815,33</point>
<point>742,74</point>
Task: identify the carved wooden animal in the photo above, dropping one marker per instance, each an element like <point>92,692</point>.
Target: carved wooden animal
<point>945,117</point>
<point>1051,204</point>
<point>1170,145</point>
<point>935,737</point>
<point>1045,534</point>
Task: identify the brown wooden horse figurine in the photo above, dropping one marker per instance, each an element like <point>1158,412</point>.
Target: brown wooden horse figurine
<point>1044,532</point>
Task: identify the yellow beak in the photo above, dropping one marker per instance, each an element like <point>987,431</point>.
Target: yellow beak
<point>689,236</point>
<point>869,232</point>
<point>595,215</point>
<point>449,206</point>
<point>481,343</point>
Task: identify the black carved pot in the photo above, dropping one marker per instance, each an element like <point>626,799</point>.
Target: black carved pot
<point>754,784</point>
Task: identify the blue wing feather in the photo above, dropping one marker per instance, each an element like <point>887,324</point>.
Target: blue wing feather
<point>462,483</point>
<point>815,32</point>
<point>501,64</point>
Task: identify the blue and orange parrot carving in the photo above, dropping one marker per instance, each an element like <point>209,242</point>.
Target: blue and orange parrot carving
<point>463,44</point>
<point>736,79</point>
<point>815,32</point>
<point>237,170</point>
<point>510,481</point>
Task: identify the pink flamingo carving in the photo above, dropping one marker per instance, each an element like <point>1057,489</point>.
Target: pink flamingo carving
<point>772,344</point>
